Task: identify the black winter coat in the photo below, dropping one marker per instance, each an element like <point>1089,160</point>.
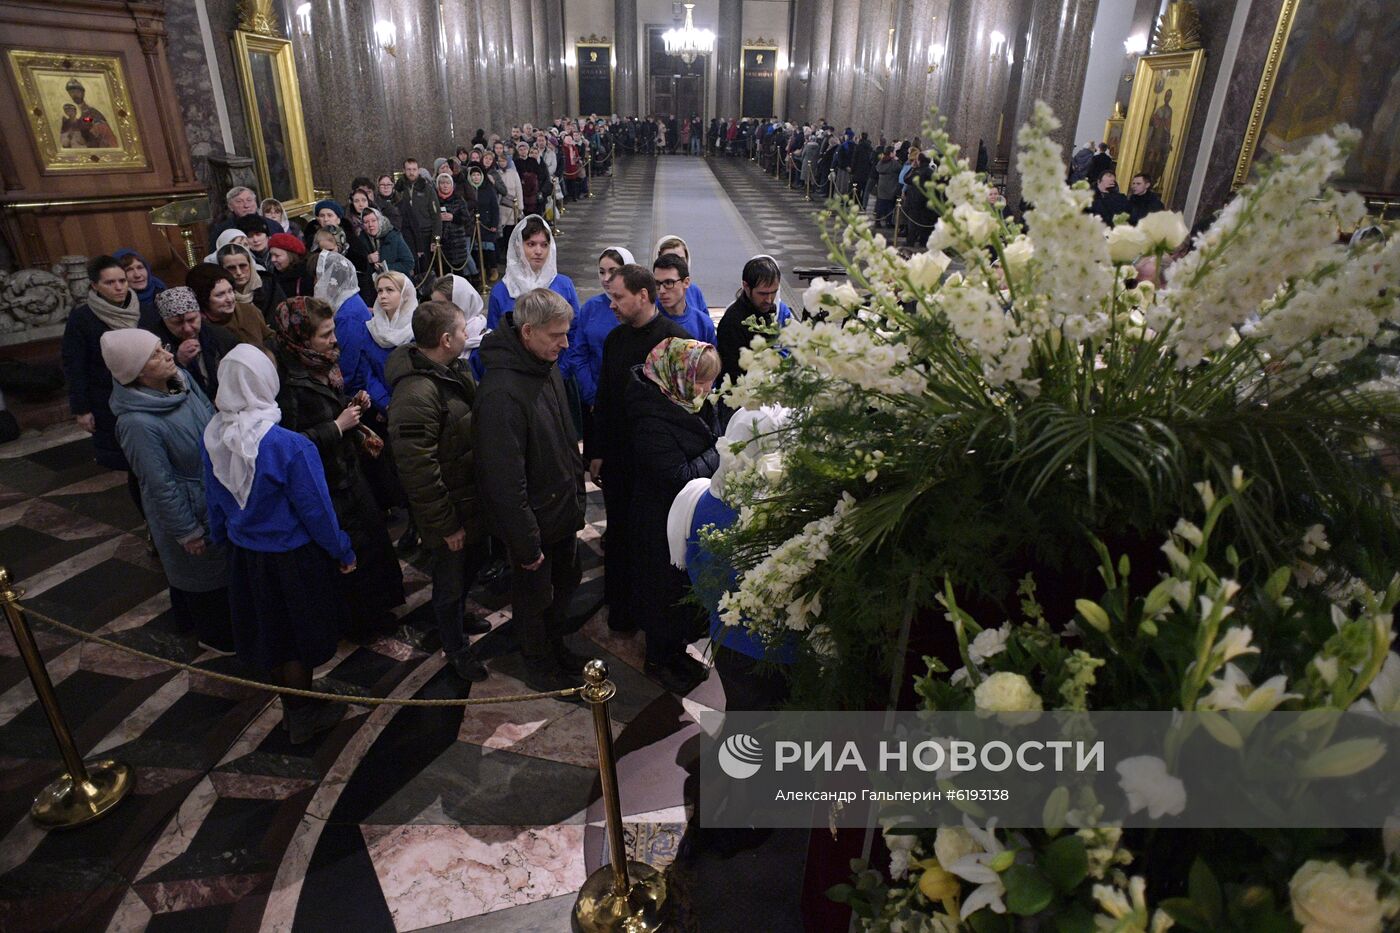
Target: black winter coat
<point>528,469</point>
<point>1109,204</point>
<point>214,344</point>
<point>90,382</point>
<point>455,239</point>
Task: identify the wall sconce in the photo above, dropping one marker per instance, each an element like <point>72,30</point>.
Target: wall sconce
<point>936,52</point>
<point>385,34</point>
<point>303,14</point>
<point>1133,47</point>
<point>570,59</point>
<point>782,60</point>
<point>998,42</point>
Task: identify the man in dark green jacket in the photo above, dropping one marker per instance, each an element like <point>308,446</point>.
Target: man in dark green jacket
<point>530,476</point>
<point>430,425</point>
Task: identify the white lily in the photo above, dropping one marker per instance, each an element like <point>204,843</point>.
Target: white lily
<point>976,867</point>
<point>1236,691</point>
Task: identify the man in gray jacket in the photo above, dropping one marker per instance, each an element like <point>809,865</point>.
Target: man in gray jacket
<point>529,473</point>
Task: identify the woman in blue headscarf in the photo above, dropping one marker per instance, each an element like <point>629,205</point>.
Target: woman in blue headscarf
<point>141,280</point>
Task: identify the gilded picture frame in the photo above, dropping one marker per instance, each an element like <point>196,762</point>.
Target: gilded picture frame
<point>267,77</point>
<point>1319,72</point>
<point>1165,88</point>
<point>1113,135</point>
<point>79,110</point>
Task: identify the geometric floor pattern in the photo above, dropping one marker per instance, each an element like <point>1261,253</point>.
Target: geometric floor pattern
<point>478,818</point>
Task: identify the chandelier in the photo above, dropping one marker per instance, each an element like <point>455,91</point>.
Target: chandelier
<point>689,42</point>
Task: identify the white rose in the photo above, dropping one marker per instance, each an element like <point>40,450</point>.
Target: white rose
<point>1018,252</point>
<point>1126,244</point>
<point>1166,229</point>
<point>976,224</point>
<point>1329,899</point>
<point>925,270</point>
<point>953,843</point>
<point>1145,780</point>
<point>815,295</point>
<point>1005,692</point>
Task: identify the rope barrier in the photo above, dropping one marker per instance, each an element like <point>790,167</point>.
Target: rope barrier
<point>294,691</point>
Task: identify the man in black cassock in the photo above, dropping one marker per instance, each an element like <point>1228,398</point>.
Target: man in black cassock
<point>608,450</point>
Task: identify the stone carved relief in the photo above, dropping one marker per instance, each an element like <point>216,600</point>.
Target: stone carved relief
<point>34,298</point>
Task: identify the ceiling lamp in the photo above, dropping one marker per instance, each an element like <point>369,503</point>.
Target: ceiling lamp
<point>688,42</point>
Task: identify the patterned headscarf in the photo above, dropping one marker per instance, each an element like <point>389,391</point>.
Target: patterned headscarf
<point>674,365</point>
<point>296,328</point>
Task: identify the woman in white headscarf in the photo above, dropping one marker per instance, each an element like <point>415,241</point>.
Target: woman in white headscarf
<point>268,501</point>
<point>583,360</point>
<point>531,262</point>
<point>464,295</point>
<point>338,285</point>
<point>388,327</point>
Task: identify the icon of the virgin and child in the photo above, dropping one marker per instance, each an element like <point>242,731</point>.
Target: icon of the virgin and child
<point>84,126</point>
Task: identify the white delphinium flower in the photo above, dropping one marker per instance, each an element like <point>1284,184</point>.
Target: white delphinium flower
<point>982,867</point>
<point>766,600</point>
<point>1314,540</point>
<point>1270,230</point>
<point>966,187</point>
<point>989,643</point>
<point>1236,691</point>
<point>1073,271</point>
<point>1147,784</point>
<point>901,846</point>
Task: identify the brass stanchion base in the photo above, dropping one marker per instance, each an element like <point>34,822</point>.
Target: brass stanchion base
<point>64,804</point>
<point>641,910</point>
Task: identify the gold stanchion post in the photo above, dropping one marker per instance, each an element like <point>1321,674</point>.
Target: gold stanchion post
<point>85,791</point>
<point>481,257</point>
<point>622,897</point>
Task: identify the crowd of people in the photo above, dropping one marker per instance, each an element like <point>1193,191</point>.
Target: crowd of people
<point>319,379</point>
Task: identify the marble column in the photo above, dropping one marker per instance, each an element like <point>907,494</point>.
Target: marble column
<point>628,70</point>
<point>417,120</point>
<point>497,18</point>
<point>1216,19</point>
<point>556,47</point>
<point>799,76</point>
<point>728,49</point>
<point>874,67</point>
<point>308,76</point>
<point>1057,56</point>
<point>821,11</point>
<point>981,47</point>
<point>353,101</point>
<point>920,61</point>
<point>522,62</point>
<point>841,66</point>
<point>464,49</point>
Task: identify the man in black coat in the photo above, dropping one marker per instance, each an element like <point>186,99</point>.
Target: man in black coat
<point>417,200</point>
<point>862,165</point>
<point>1099,163</point>
<point>1109,202</point>
<point>1142,200</point>
<point>756,303</point>
<point>530,478</point>
<point>608,449</point>
<point>196,345</point>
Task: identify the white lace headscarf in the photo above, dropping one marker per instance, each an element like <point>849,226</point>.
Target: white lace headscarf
<point>247,409</point>
<point>336,279</point>
<point>466,297</point>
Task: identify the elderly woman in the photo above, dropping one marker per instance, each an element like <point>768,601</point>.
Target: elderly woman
<point>250,287</point>
<point>458,226</point>
<point>161,414</point>
<point>313,401</point>
<point>142,282</point>
<point>387,251</point>
<point>268,501</point>
<point>673,429</point>
<point>330,214</point>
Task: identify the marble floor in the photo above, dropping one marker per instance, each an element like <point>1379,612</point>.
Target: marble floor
<point>485,818</point>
